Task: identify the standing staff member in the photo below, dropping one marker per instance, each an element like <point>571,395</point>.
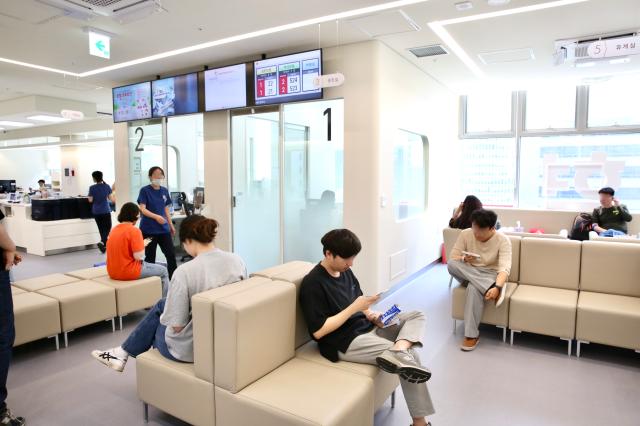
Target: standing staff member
<point>155,203</point>
<point>99,197</point>
<point>8,258</point>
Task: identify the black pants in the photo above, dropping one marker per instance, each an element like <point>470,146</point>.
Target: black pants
<point>104,226</point>
<point>165,241</point>
<point>7,334</point>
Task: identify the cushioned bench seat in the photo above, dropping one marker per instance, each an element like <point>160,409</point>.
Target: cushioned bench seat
<point>83,303</point>
<point>384,384</point>
<point>45,281</point>
<point>36,317</point>
<point>133,295</point>
<point>299,393</point>
<point>89,273</point>
<point>279,269</point>
<point>608,319</point>
<point>160,380</point>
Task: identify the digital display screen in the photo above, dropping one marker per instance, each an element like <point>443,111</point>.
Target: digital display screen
<point>288,78</point>
<point>225,88</point>
<point>175,95</point>
<point>132,102</point>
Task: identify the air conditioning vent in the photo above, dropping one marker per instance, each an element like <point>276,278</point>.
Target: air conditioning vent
<point>121,10</point>
<point>427,51</point>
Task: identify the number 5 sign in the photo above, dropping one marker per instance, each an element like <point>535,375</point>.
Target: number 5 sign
<point>614,47</point>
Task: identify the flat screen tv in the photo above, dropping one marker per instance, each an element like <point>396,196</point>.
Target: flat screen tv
<point>287,78</point>
<point>175,95</point>
<point>132,102</point>
<point>225,88</point>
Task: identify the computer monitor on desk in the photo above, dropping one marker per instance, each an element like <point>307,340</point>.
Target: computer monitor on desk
<point>176,200</point>
<point>7,185</point>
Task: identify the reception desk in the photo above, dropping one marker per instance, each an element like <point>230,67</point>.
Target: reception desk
<point>42,237</point>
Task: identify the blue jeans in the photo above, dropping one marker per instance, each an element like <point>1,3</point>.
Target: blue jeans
<point>612,233</point>
<point>7,334</point>
<point>154,270</point>
<point>149,333</point>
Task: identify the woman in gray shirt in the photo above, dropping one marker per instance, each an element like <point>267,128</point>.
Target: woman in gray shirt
<point>168,326</point>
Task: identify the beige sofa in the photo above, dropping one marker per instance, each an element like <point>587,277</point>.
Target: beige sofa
<point>491,315</point>
<point>254,364</point>
<point>546,300</point>
<point>609,301</point>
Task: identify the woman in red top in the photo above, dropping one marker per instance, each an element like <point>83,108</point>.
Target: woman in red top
<point>125,251</point>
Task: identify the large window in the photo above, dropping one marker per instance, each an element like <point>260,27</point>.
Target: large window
<point>185,154</point>
<point>566,172</point>
<point>614,103</point>
<point>489,112</point>
<point>489,168</point>
<point>410,159</point>
<point>567,143</point>
<point>551,108</point>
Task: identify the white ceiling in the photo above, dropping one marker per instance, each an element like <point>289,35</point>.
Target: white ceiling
<point>35,33</point>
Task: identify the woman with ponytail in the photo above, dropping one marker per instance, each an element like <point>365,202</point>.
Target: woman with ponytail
<point>168,326</point>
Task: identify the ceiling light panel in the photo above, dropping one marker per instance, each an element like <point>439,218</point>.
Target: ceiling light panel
<point>47,118</point>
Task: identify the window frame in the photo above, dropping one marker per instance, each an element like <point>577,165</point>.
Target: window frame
<point>518,130</point>
<point>425,165</point>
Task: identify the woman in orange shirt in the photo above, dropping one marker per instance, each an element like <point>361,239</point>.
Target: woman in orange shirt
<point>125,251</point>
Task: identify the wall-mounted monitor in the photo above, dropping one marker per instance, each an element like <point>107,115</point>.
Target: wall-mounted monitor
<point>175,95</point>
<point>225,88</point>
<point>288,78</point>
<point>132,102</point>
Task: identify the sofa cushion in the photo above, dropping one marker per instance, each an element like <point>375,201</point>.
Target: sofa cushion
<point>174,388</point>
<point>279,269</point>
<point>550,263</point>
<point>83,303</point>
<point>202,308</point>
<point>295,276</point>
<point>255,334</point>
<point>36,317</point>
<point>621,275</point>
<point>89,273</point>
<point>491,315</point>
<point>45,281</point>
<point>383,383</point>
<point>544,310</point>
<point>134,295</point>
<point>299,393</point>
<point>609,319</point>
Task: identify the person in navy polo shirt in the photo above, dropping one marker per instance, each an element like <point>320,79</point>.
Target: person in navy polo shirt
<point>99,197</point>
<point>155,203</point>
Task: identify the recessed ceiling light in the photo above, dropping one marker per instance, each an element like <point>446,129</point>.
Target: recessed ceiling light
<point>498,2</point>
<point>15,124</point>
<point>47,118</point>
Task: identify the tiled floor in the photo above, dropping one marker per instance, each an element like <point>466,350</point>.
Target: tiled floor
<point>532,383</point>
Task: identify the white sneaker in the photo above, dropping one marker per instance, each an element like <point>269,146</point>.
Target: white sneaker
<point>109,359</point>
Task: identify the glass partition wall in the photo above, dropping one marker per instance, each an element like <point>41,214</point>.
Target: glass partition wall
<point>287,181</point>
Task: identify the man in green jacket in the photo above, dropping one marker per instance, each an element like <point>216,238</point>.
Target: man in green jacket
<point>610,219</point>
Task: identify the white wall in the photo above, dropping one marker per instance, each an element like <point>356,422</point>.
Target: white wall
<point>413,101</point>
<point>84,160</point>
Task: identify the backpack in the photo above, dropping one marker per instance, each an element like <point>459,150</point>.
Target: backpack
<point>581,227</point>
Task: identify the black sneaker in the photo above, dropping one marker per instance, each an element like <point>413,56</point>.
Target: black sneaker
<point>102,247</point>
<point>404,365</point>
<point>8,419</point>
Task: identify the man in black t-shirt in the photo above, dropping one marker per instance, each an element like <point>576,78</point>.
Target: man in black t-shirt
<point>339,318</point>
<point>8,258</point>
